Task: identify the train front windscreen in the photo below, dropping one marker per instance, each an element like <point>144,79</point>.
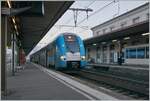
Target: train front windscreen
<point>72,44</point>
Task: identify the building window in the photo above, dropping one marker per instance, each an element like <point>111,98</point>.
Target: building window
<point>132,53</point>
<point>147,52</point>
<point>112,28</point>
<point>137,53</point>
<point>98,52</point>
<point>98,33</point>
<point>123,24</point>
<point>147,16</point>
<point>112,47</point>
<point>88,53</point>
<point>136,20</point>
<point>104,30</point>
<point>141,53</point>
<point>127,51</point>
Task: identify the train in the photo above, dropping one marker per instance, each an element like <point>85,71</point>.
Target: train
<point>65,53</point>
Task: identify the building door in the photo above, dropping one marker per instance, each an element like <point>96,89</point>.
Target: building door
<point>98,55</point>
<point>112,54</point>
<point>104,54</point>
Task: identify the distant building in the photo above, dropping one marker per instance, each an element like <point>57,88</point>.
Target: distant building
<point>122,38</point>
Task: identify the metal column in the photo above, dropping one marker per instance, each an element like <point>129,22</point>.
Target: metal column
<point>3,40</point>
<point>13,54</point>
<point>120,53</point>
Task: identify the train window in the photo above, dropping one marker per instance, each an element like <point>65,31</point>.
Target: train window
<point>132,53</point>
<point>141,52</point>
<point>147,52</point>
<point>72,44</point>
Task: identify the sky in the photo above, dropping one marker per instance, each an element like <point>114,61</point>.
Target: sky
<point>100,14</point>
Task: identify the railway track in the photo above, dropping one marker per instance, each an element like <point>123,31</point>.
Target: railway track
<point>133,88</point>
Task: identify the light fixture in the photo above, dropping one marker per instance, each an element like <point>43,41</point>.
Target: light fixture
<point>126,38</point>
<point>8,2</point>
<point>103,42</point>
<point>63,58</point>
<point>94,44</point>
<point>145,34</point>
<point>17,33</point>
<point>13,19</point>
<point>16,27</point>
<point>82,57</point>
<point>114,40</point>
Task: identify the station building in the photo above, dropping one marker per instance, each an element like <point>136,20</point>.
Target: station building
<point>124,38</point>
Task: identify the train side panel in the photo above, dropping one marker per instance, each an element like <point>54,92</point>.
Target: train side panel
<point>43,57</point>
<point>60,52</point>
<point>51,50</point>
<point>82,53</point>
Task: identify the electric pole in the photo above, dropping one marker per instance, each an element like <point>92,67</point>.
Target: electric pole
<point>75,13</point>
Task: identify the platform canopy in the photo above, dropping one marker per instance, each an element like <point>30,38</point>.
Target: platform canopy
<point>138,28</point>
<point>34,19</point>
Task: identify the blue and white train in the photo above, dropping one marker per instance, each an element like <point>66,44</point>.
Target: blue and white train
<point>66,52</point>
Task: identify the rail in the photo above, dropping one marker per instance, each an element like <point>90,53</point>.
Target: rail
<point>126,83</point>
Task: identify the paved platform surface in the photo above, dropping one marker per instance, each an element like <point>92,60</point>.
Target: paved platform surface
<point>139,67</point>
<point>33,84</point>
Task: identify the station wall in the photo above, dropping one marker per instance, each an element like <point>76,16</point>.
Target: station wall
<point>130,18</point>
<point>134,51</point>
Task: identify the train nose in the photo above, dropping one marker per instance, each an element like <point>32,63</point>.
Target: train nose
<point>73,64</point>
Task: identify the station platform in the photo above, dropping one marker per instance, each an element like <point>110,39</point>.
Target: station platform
<point>35,83</point>
<point>140,72</point>
<point>128,66</point>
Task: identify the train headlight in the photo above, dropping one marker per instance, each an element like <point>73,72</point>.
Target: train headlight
<point>63,58</point>
<point>82,57</point>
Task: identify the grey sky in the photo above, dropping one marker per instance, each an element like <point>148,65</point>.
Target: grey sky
<point>83,30</point>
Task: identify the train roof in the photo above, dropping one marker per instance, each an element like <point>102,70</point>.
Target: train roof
<point>66,33</point>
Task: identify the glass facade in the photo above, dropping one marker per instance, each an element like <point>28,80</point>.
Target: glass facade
<point>104,54</point>
<point>137,53</point>
<point>141,52</point>
<point>147,52</point>
<point>132,53</point>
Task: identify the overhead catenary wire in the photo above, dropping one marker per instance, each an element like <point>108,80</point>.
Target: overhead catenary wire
<point>75,13</point>
<point>80,12</point>
<point>114,1</point>
<point>96,11</point>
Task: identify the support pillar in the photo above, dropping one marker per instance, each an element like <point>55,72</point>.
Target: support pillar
<point>13,54</point>
<point>120,53</point>
<point>108,54</point>
<point>3,42</point>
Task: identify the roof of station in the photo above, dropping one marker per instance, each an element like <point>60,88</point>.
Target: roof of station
<point>36,19</point>
<point>138,28</point>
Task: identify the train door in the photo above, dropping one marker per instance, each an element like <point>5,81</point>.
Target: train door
<point>47,58</point>
<point>53,55</point>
